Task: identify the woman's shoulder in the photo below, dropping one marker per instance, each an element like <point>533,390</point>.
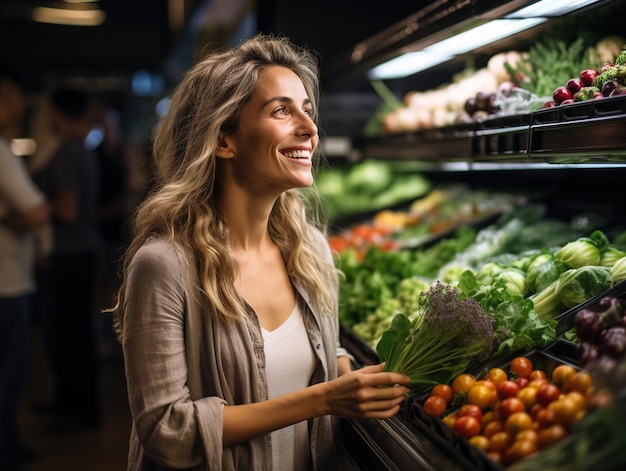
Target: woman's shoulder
<point>159,253</point>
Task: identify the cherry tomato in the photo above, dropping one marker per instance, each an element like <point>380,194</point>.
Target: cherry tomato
<point>481,396</point>
<point>579,398</point>
<point>562,373</point>
<point>496,375</point>
<point>508,388</point>
<point>479,441</point>
<point>521,367</point>
<point>528,396</point>
<point>435,406</point>
<point>462,383</point>
<point>466,426</point>
<point>509,406</point>
<point>537,374</point>
<point>521,382</point>
<point>580,381</point>
<point>488,416</point>
<point>565,411</point>
<point>499,442</point>
<point>544,417</point>
<point>493,427</point>
<point>449,420</point>
<point>547,393</point>
<point>527,434</point>
<point>517,422</point>
<point>518,450</point>
<point>471,410</point>
<point>443,390</point>
<point>488,383</point>
<point>550,435</point>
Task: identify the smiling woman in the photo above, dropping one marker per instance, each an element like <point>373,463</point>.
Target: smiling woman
<point>227,312</point>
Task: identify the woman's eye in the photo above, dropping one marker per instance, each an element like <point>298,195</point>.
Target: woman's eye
<point>281,110</point>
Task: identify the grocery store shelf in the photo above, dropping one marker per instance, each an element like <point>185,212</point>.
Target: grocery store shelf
<point>580,133</point>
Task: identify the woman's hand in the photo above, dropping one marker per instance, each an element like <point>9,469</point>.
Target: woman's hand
<point>369,392</point>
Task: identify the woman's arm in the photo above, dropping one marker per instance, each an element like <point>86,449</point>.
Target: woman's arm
<point>357,394</point>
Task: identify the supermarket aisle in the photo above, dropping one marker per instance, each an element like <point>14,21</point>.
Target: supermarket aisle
<point>85,450</point>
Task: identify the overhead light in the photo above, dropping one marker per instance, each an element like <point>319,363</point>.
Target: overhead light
<point>66,16</point>
<point>549,8</point>
<point>482,35</point>
<point>407,64</point>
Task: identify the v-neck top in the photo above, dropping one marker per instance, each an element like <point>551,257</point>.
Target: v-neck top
<point>289,365</point>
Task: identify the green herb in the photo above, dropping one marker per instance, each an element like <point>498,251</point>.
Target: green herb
<point>439,340</point>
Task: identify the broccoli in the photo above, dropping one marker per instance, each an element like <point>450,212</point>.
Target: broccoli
<point>616,72</point>
<point>446,334</point>
<point>621,58</point>
<point>586,93</point>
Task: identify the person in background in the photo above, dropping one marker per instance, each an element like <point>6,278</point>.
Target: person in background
<point>70,180</point>
<point>227,312</point>
<point>24,215</point>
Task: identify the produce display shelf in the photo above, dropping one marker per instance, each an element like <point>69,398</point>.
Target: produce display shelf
<point>580,132</point>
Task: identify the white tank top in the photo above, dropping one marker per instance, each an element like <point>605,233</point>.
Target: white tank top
<point>289,364</point>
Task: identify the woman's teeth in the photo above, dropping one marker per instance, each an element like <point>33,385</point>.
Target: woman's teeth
<point>298,154</point>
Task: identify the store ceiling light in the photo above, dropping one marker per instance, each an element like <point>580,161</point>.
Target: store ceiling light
<point>69,16</point>
<point>481,35</point>
<point>548,8</point>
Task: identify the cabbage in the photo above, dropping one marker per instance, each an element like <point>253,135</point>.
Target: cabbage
<point>487,273</point>
<point>583,251</point>
<point>547,303</point>
<point>542,271</point>
<point>370,176</point>
<point>618,270</point>
<point>610,256</point>
<point>515,280</point>
<point>577,285</point>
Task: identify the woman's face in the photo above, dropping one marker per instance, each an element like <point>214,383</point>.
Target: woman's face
<point>272,148</point>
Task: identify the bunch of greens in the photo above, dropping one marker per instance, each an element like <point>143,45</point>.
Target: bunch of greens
<point>516,325</point>
<point>447,333</point>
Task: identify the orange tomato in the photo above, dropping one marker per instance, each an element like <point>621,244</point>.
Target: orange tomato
<point>449,420</point>
<point>580,381</point>
<point>517,422</point>
<point>497,375</point>
<point>537,374</point>
<point>562,373</point>
<point>528,396</point>
<point>480,441</point>
<point>481,395</point>
<point>565,411</point>
<point>499,442</point>
<point>521,367</point>
<point>462,383</point>
<point>493,427</point>
<point>550,435</point>
<point>519,450</point>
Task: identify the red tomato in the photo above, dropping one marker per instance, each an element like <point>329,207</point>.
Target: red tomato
<point>435,406</point>
<point>547,393</point>
<point>443,390</point>
<point>471,410</point>
<point>509,406</point>
<point>508,388</point>
<point>521,367</point>
<point>521,382</point>
<point>466,426</point>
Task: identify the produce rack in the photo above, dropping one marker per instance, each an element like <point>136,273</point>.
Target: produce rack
<point>590,131</point>
<point>413,437</point>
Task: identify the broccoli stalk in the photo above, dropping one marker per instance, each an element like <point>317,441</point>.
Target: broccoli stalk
<point>446,335</point>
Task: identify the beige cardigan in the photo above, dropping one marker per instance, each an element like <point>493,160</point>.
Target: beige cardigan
<point>182,367</point>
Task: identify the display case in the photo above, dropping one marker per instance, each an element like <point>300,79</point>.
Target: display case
<point>576,154</point>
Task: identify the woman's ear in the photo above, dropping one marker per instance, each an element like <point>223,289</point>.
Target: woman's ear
<point>224,149</point>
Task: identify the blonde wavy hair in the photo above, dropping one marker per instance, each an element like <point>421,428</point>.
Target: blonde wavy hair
<point>181,206</point>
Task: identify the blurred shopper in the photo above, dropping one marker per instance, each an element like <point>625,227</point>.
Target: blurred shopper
<point>23,216</point>
<point>71,182</point>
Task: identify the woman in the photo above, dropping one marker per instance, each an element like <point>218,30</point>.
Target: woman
<point>228,310</point>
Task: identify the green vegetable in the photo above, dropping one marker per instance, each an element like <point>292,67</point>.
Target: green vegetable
<point>586,93</point>
<point>517,325</point>
<point>547,303</point>
<point>514,280</point>
<point>618,270</point>
<point>543,270</point>
<point>488,272</point>
<point>583,251</point>
<point>617,72</point>
<point>575,286</point>
<point>621,58</point>
<point>371,176</point>
<point>446,335</point>
<point>610,256</point>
